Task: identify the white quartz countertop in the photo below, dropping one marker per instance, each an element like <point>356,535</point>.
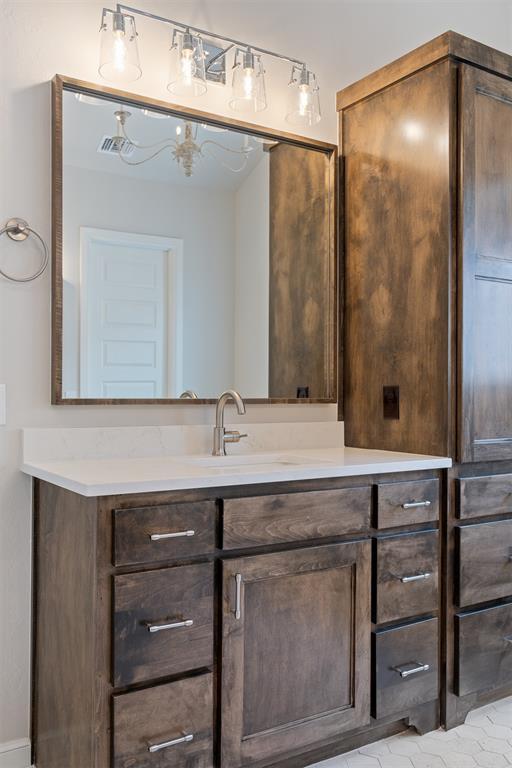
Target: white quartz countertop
<point>106,475</point>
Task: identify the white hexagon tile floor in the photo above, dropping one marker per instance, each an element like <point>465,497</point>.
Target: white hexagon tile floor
<point>484,741</point>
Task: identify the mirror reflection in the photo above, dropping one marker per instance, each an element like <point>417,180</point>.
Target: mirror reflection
<point>195,258</point>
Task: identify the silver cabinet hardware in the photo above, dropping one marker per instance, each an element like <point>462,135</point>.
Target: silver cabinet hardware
<point>417,577</point>
<point>508,639</point>
<point>177,535</point>
<point>407,671</point>
<point>238,596</point>
<point>416,504</point>
<point>173,743</point>
<point>174,625</point>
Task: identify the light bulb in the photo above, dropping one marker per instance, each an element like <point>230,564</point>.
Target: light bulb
<point>187,64</point>
<point>178,130</point>
<point>119,51</point>
<point>304,99</point>
<point>248,82</point>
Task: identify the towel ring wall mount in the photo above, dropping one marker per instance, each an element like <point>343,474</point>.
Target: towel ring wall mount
<point>18,230</point>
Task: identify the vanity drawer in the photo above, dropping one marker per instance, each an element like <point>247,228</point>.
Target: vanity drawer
<point>259,520</point>
<point>407,503</point>
<point>406,575</point>
<point>405,667</point>
<point>150,637</point>
<point>484,649</point>
<point>485,562</point>
<point>165,714</point>
<point>485,496</point>
<point>153,534</point>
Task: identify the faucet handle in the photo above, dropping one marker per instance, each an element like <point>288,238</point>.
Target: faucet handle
<point>233,436</point>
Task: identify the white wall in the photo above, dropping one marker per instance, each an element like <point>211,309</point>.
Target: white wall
<point>252,219</point>
<point>110,201</point>
<point>342,42</point>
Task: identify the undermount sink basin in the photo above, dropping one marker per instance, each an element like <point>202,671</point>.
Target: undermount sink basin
<point>259,460</point>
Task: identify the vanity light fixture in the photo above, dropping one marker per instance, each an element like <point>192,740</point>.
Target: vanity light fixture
<point>193,67</point>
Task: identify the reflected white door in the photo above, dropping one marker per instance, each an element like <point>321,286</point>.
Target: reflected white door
<point>130,315</point>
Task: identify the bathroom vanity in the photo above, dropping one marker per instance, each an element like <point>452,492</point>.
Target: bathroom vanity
<point>251,623</point>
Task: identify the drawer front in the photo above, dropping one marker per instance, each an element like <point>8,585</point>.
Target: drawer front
<point>485,562</point>
<point>165,715</point>
<point>485,496</point>
<point>405,667</point>
<point>163,622</point>
<point>153,534</point>
<point>406,576</point>
<point>484,649</point>
<point>408,503</point>
<point>286,517</point>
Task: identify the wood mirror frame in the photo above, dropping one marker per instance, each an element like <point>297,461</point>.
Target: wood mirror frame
<point>329,327</point>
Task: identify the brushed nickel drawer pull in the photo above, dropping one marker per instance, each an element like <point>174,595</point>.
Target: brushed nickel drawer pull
<point>416,504</point>
<point>174,625</point>
<point>177,535</point>
<point>173,743</point>
<point>405,672</point>
<point>417,577</point>
<point>238,596</point>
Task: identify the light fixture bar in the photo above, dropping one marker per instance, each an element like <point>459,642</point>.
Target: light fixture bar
<point>120,8</point>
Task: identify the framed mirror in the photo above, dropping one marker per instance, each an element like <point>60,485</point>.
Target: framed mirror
<point>191,254</point>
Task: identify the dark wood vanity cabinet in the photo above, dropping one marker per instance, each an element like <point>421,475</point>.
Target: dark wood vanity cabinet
<point>232,627</point>
<point>427,175</point>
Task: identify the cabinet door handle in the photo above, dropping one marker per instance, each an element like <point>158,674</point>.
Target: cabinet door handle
<point>416,504</point>
<point>417,577</point>
<point>508,639</point>
<point>406,670</point>
<point>173,743</point>
<point>238,596</point>
<point>176,535</point>
<point>174,625</point>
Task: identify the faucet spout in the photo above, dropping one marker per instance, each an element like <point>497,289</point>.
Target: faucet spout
<point>220,436</point>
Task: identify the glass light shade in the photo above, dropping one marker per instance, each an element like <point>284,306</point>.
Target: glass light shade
<point>119,55</point>
<point>303,100</point>
<point>187,67</point>
<point>248,83</point>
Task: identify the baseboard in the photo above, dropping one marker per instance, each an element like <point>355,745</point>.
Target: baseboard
<point>15,754</point>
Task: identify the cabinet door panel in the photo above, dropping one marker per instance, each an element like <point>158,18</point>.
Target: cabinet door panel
<point>486,242</point>
<point>296,656</point>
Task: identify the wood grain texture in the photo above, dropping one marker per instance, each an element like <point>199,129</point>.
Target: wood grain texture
<point>297,653</point>
<point>285,517</point>
<point>133,529</point>
<point>484,496</point>
<point>165,596</point>
<point>328,153</point>
<point>391,498</point>
<point>163,713</point>
<point>402,556</point>
<point>398,253</point>
<point>486,257</point>
<point>413,643</point>
<point>484,649</point>
<point>485,562</point>
<point>302,274</point>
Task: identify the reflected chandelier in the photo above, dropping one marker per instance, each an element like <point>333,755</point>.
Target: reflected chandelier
<point>196,60</point>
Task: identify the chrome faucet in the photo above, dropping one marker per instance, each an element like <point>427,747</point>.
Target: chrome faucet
<point>221,436</point>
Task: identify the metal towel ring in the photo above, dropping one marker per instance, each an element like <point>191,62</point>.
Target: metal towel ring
<point>18,230</point>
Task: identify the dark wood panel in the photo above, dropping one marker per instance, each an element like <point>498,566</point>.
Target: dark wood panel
<point>396,652</point>
<point>286,517</point>
<point>407,503</point>
<point>484,496</point>
<point>161,714</point>
<point>159,598</point>
<point>484,649</point>
<point>133,529</point>
<point>485,562</point>
<point>398,267</point>
<point>295,661</point>
<point>406,576</point>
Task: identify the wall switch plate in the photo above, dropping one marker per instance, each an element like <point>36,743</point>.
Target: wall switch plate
<point>3,409</point>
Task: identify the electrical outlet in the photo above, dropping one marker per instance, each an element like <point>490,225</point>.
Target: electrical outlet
<point>3,413</point>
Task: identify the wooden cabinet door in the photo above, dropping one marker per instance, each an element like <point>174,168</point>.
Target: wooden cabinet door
<point>296,650</point>
<point>486,259</point>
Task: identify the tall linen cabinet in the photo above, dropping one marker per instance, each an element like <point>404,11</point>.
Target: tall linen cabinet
<point>427,365</point>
